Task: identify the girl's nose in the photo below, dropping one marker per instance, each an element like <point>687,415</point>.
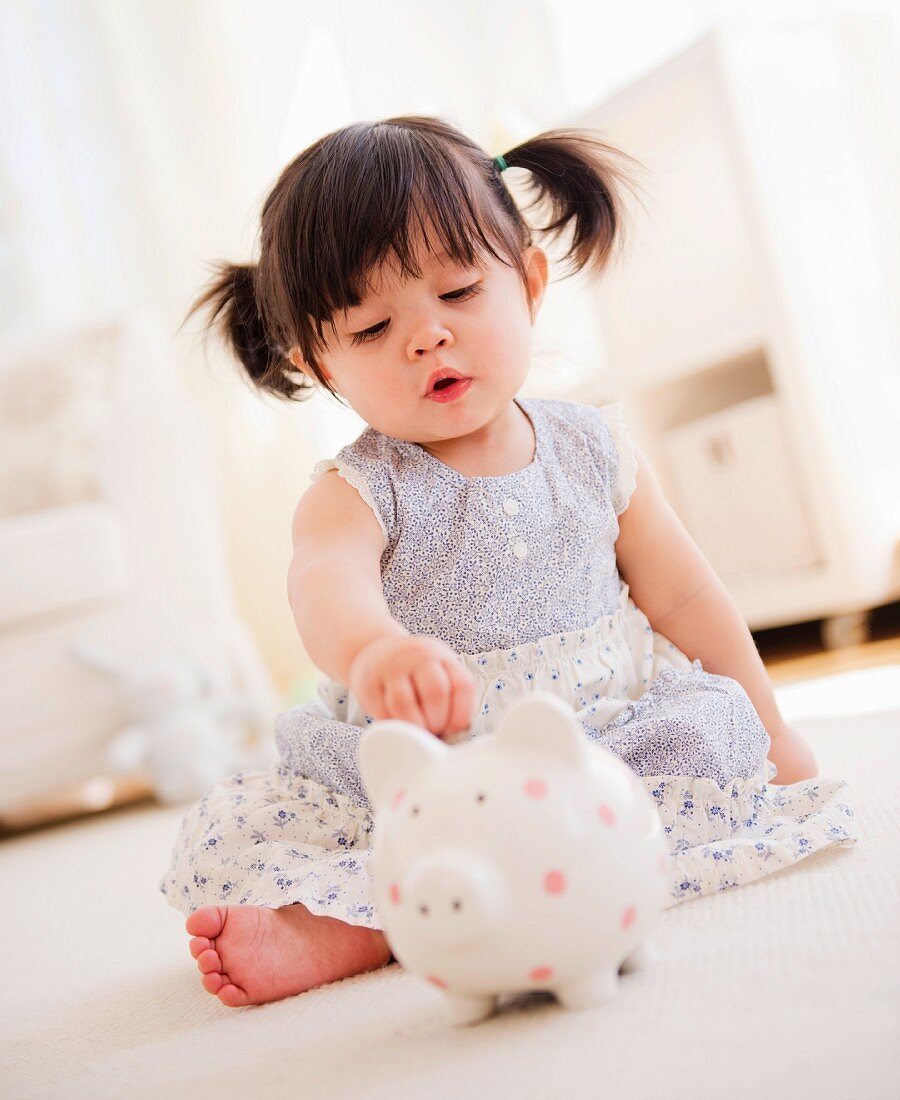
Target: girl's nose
<point>428,340</point>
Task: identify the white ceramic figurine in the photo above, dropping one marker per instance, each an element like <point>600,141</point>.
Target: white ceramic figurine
<point>529,859</point>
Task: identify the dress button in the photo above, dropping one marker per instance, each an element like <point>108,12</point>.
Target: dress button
<point>520,549</point>
<point>511,507</point>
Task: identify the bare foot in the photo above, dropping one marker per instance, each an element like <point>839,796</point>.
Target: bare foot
<point>249,955</point>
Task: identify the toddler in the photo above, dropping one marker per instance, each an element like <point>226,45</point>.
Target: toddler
<point>470,545</point>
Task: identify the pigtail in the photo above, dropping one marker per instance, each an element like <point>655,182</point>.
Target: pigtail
<point>579,178</point>
<point>233,313</point>
<point>363,195</point>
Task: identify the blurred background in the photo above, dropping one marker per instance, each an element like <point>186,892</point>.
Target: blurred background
<point>750,327</point>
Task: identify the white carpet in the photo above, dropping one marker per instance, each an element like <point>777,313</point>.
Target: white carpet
<point>789,987</point>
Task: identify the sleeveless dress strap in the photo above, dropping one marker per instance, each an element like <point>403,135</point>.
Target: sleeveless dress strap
<point>604,428</point>
<point>366,464</point>
<point>626,475</point>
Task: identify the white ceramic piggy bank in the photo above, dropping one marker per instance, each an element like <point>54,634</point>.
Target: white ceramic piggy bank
<point>527,859</point>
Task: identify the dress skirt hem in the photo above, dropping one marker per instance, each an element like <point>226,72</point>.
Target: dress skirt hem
<point>719,838</point>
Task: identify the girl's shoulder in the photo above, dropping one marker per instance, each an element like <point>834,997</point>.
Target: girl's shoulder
<point>370,444</point>
<point>369,464</point>
<point>599,423</point>
<point>601,430</point>
<point>370,451</point>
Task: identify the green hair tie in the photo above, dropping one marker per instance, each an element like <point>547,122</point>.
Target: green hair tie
<point>501,164</point>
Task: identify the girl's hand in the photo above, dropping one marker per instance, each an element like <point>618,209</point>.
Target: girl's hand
<point>792,756</point>
<point>415,678</point>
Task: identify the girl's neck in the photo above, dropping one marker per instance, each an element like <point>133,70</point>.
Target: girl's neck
<point>504,445</point>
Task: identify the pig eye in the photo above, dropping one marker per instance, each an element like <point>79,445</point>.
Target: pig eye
<point>414,811</point>
<point>480,797</point>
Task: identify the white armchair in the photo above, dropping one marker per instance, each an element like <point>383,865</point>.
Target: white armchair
<point>110,534</point>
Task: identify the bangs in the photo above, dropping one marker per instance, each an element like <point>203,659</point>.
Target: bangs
<point>390,198</point>
<point>403,194</point>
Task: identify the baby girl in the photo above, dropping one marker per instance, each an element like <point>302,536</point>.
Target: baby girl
<point>471,545</point>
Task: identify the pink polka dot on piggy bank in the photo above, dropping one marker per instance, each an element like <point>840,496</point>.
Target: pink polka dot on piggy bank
<point>554,882</point>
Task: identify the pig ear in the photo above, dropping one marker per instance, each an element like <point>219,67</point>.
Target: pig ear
<point>546,724</point>
<point>391,749</point>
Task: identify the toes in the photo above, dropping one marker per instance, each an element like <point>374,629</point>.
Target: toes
<point>228,993</point>
<point>208,921</point>
<point>212,983</point>
<point>233,996</point>
<point>198,944</point>
<point>209,962</point>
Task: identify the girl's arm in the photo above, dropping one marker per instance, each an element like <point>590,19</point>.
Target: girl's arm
<point>334,580</point>
<point>672,582</point>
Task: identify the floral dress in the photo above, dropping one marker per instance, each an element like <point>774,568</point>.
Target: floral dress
<point>518,575</point>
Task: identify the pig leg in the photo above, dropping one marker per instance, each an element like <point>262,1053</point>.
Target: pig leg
<point>645,954</point>
<point>462,1008</point>
<point>589,992</point>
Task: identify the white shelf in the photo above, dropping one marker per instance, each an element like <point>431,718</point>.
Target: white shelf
<point>745,320</point>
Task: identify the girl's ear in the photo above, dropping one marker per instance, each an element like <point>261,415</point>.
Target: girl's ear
<point>537,270</point>
<point>300,364</point>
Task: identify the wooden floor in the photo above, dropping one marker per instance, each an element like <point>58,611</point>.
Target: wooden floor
<point>792,653</point>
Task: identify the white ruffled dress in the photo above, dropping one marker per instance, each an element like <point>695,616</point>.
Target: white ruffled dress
<point>518,575</point>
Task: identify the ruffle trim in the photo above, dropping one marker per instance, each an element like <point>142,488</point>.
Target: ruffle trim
<point>334,886</point>
<point>626,480</point>
<point>720,838</point>
<point>270,866</point>
<point>727,837</point>
<point>353,477</point>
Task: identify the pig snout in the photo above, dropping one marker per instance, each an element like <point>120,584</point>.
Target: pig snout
<point>453,897</point>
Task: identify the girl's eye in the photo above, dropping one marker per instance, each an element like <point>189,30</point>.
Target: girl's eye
<point>452,296</point>
<point>369,333</point>
<point>465,292</point>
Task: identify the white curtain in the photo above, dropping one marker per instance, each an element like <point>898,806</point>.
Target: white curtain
<point>138,140</point>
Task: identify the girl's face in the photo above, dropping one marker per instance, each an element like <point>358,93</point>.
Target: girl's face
<point>474,321</point>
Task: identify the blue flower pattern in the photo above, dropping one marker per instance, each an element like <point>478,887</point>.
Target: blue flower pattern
<point>558,619</point>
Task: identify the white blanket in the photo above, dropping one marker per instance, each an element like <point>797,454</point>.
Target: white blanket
<point>786,987</point>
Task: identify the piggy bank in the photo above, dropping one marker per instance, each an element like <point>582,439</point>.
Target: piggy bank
<point>527,859</point>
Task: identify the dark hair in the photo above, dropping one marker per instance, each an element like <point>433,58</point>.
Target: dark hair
<point>372,189</point>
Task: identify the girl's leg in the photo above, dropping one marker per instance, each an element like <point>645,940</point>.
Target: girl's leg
<point>688,723</point>
<point>250,955</point>
<point>253,836</point>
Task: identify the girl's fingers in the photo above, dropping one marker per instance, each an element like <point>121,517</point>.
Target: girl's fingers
<point>433,689</point>
<point>378,708</point>
<point>400,701</point>
<point>370,697</point>
<point>462,697</point>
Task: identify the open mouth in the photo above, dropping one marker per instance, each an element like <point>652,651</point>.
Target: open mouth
<point>448,389</point>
